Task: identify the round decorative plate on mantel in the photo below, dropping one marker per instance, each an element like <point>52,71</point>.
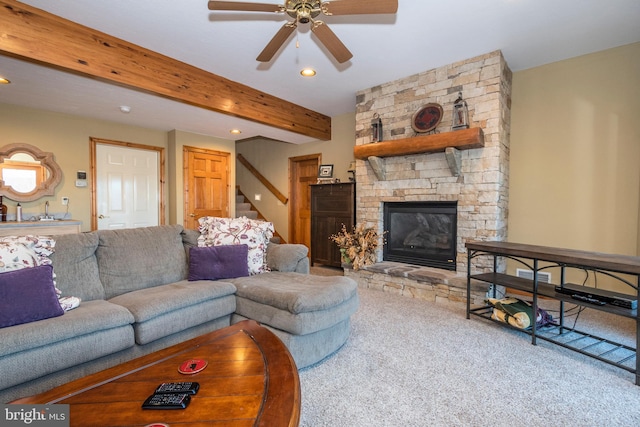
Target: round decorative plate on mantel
<point>427,118</point>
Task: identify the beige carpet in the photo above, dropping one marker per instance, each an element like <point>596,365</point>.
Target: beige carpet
<point>416,363</point>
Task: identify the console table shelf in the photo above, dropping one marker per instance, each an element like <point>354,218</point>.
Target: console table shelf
<point>603,349</point>
<point>547,290</point>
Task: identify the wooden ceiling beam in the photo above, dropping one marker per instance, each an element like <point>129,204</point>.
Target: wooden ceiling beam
<point>38,36</point>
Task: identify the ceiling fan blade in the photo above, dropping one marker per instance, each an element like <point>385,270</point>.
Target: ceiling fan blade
<point>331,41</point>
<point>276,42</point>
<point>244,6</point>
<point>359,7</point>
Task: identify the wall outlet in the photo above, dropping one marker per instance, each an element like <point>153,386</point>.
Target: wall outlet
<point>65,201</point>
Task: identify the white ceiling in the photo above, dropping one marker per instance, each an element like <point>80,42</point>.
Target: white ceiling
<point>424,34</point>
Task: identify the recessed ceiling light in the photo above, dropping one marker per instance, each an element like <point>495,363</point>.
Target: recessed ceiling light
<point>125,109</point>
<point>235,131</point>
<point>308,72</point>
<point>4,81</point>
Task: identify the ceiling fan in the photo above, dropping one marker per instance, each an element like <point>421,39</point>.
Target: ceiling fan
<point>306,11</point>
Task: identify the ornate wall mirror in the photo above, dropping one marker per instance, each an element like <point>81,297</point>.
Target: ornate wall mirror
<point>27,173</point>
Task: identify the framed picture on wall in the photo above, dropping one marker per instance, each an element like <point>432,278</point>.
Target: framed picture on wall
<point>325,171</point>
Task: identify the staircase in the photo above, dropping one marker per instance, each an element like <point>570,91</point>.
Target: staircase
<point>245,208</point>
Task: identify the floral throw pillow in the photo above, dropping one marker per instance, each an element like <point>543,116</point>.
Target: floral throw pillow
<point>215,231</point>
<point>18,252</point>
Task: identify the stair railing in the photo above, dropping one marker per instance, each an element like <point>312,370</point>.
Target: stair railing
<point>263,180</point>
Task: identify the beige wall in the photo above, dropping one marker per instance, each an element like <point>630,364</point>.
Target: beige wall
<point>575,151</point>
<point>67,137</point>
<point>272,161</point>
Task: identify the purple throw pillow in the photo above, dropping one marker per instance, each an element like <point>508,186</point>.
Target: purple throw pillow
<point>218,262</point>
<point>27,295</point>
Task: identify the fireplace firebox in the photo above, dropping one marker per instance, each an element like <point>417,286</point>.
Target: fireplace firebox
<point>421,233</point>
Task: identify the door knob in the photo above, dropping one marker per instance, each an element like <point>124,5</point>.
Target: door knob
<point>102,216</point>
<point>192,215</point>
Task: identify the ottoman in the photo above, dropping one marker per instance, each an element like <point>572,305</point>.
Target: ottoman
<point>310,314</point>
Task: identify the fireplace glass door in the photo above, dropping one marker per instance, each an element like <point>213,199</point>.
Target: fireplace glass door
<point>421,233</point>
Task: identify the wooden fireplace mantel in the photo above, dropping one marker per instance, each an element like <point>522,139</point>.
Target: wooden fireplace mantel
<point>460,139</point>
<point>449,142</point>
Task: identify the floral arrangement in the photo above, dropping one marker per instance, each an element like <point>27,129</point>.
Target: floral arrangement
<point>357,247</point>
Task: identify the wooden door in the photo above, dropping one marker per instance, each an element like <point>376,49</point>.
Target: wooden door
<point>206,179</point>
<point>127,189</point>
<point>303,171</point>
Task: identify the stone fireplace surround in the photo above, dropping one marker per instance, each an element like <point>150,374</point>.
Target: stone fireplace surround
<point>481,187</point>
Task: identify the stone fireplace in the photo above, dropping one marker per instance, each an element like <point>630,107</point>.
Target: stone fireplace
<point>476,180</point>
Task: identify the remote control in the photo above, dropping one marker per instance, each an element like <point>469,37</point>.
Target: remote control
<point>167,401</point>
<point>587,299</point>
<point>180,387</point>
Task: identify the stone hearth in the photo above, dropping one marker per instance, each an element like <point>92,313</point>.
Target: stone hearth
<point>427,283</point>
<point>480,188</point>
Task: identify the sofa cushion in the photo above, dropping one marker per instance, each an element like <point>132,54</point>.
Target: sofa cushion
<point>296,303</point>
<point>285,257</point>
<point>76,267</point>
<point>218,262</point>
<point>90,317</point>
<point>308,349</point>
<point>295,292</point>
<point>28,295</point>
<point>89,332</point>
<point>190,239</point>
<point>139,258</point>
<point>163,310</point>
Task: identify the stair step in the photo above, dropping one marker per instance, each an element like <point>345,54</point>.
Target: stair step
<point>247,213</point>
<point>243,206</point>
<point>239,199</point>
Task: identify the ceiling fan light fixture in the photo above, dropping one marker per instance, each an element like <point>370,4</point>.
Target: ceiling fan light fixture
<point>308,72</point>
<point>304,16</point>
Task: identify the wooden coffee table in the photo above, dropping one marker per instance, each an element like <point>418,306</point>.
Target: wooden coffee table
<point>250,380</point>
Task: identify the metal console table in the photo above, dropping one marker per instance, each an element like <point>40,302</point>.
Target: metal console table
<point>614,266</point>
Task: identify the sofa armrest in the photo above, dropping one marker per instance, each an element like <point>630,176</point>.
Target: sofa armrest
<point>288,257</point>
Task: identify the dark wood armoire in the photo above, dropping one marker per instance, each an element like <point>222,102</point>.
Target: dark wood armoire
<point>331,206</point>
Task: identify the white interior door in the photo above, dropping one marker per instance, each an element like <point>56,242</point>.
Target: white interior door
<point>127,187</point>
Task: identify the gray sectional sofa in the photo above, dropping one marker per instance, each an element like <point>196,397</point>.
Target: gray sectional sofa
<point>136,299</point>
